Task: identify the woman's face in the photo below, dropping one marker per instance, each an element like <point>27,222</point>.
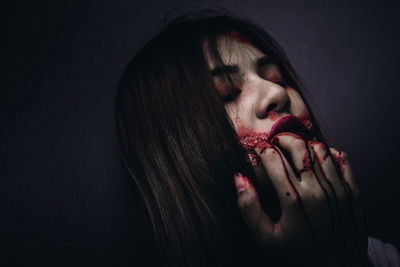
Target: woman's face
<point>259,98</point>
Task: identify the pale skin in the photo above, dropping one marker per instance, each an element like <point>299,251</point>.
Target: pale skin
<point>321,222</point>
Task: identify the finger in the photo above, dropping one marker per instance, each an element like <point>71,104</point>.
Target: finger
<point>281,176</point>
<point>251,210</point>
<point>320,157</point>
<point>329,171</point>
<point>301,157</point>
<point>337,194</point>
<point>334,224</point>
<point>344,196</point>
<point>343,163</point>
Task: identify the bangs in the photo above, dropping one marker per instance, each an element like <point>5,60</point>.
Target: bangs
<point>213,45</point>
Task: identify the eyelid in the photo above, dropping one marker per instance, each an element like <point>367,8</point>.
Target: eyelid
<point>231,96</point>
<point>269,65</point>
<point>278,73</point>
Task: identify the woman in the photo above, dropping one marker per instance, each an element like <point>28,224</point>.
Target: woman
<point>211,106</point>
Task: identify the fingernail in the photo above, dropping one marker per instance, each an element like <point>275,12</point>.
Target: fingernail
<point>241,182</point>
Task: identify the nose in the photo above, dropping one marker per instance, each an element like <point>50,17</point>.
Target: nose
<point>271,97</point>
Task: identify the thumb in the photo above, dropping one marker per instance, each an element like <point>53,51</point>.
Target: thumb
<point>250,208</point>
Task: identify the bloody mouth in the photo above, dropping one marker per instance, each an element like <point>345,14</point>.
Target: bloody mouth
<point>291,124</point>
<point>262,140</point>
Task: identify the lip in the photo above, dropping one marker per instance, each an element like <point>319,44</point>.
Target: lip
<point>291,124</point>
<point>262,140</point>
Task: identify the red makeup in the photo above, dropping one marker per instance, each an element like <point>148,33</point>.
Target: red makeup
<point>251,140</point>
<point>339,159</point>
<point>292,124</point>
<point>238,37</point>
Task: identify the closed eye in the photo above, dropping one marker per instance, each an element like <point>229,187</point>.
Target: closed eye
<point>281,83</point>
<point>272,73</point>
<point>232,96</point>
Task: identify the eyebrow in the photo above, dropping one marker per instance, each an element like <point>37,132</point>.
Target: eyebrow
<point>219,71</point>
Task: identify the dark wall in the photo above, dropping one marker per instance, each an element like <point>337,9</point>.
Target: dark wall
<point>63,194</point>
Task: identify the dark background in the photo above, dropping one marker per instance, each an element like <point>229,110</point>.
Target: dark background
<point>64,198</point>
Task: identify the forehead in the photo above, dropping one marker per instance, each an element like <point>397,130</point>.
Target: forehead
<point>235,49</point>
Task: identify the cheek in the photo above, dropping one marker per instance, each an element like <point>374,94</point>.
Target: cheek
<point>250,140</point>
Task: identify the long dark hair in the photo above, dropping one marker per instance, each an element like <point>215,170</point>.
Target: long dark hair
<point>178,143</point>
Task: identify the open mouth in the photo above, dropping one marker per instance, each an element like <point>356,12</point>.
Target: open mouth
<point>290,124</point>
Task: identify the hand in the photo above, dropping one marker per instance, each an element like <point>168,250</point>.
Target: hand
<point>321,222</point>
